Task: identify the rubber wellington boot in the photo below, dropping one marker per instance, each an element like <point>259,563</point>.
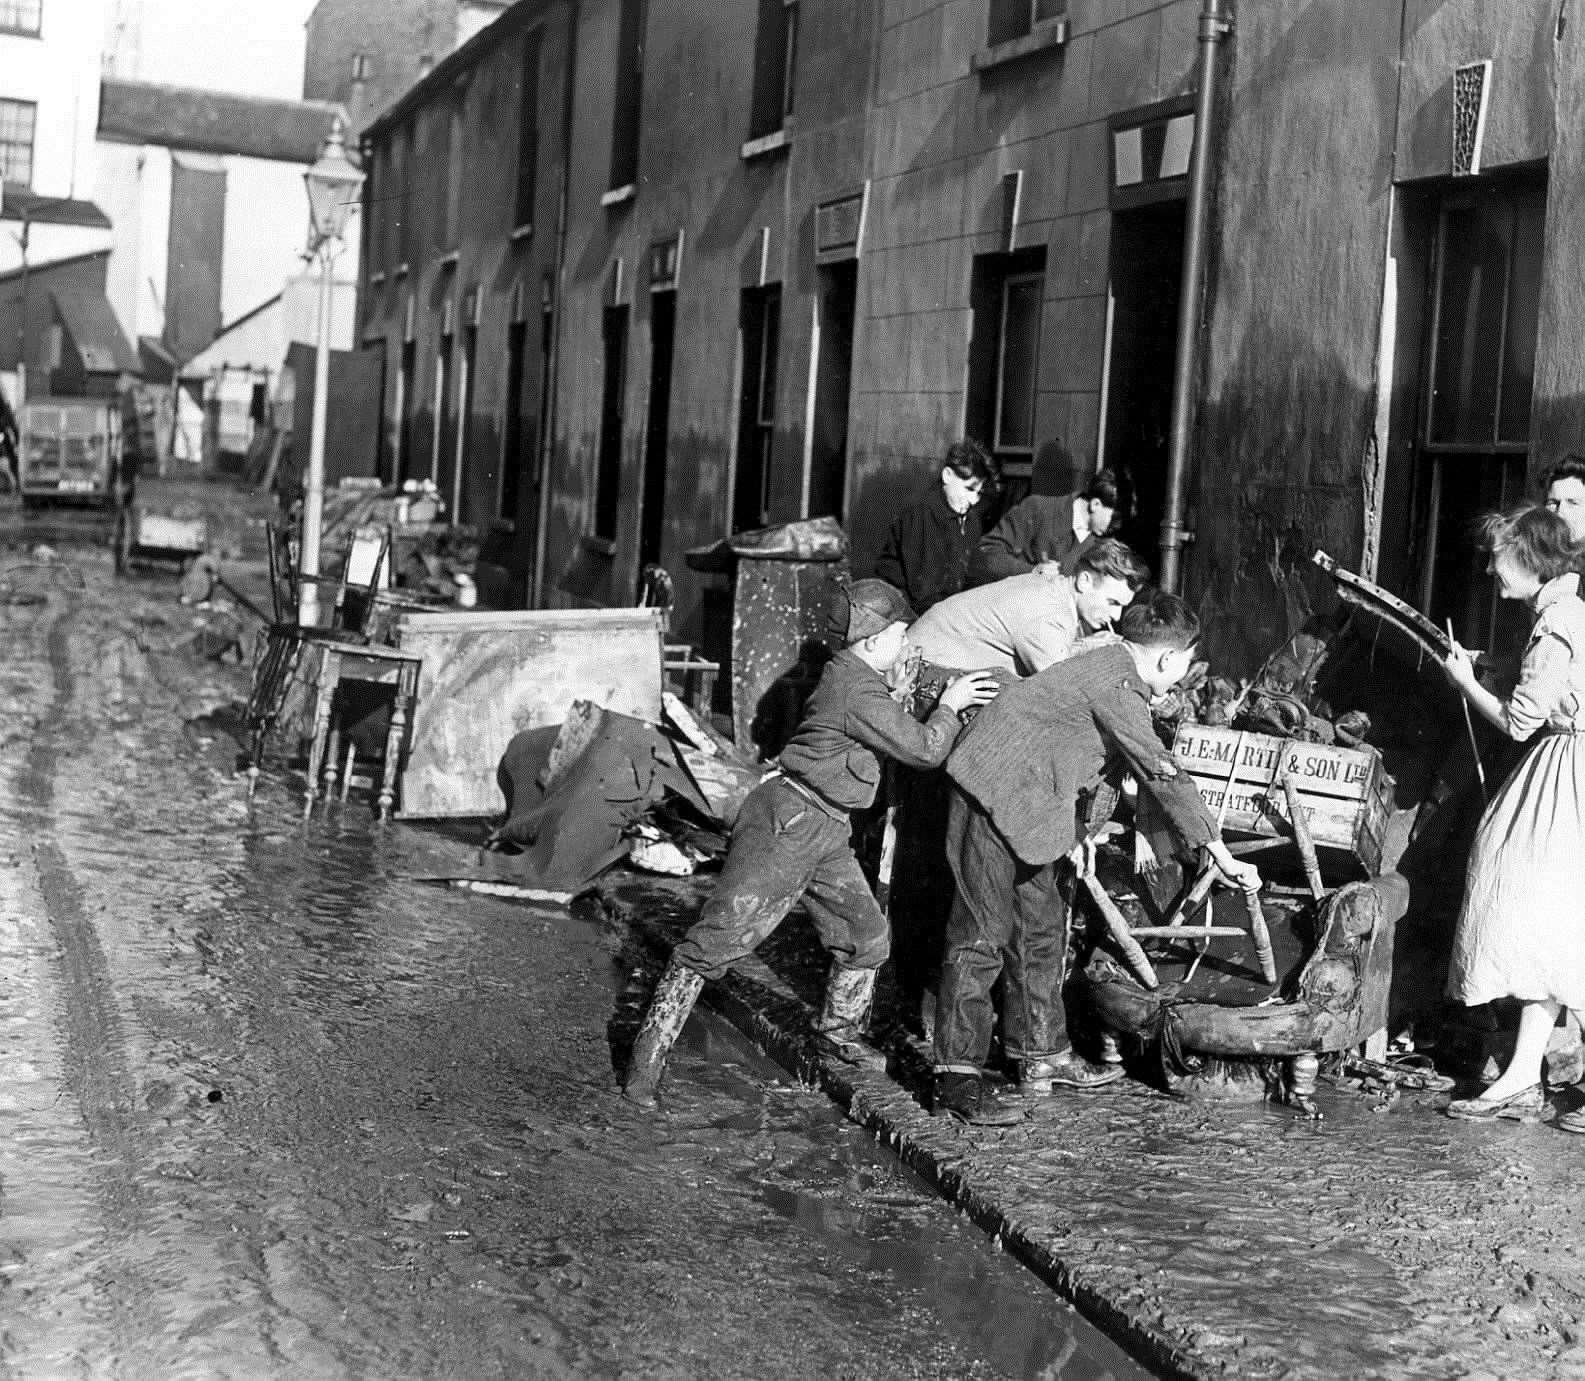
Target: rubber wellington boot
<point>675,994</point>
<point>839,1031</point>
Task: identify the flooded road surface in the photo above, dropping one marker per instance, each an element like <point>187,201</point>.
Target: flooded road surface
<point>274,1108</point>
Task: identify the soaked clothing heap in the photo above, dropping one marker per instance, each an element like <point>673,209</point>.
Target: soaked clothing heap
<point>1522,929</point>
<point>1019,773</point>
<point>792,837</point>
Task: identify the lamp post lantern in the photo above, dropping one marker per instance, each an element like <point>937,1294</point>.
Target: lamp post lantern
<point>333,184</point>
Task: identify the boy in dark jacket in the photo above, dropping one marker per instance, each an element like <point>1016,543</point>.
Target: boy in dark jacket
<point>1018,774</point>
<point>792,836</point>
<point>927,551</point>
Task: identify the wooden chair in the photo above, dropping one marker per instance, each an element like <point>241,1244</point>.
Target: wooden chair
<point>693,674</point>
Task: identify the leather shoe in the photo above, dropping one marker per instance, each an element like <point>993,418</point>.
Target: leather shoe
<point>965,1097</point>
<point>1068,1070</point>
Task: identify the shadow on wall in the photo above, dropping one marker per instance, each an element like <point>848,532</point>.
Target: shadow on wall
<point>1278,473</point>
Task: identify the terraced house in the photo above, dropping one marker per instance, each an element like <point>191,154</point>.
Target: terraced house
<point>643,274</point>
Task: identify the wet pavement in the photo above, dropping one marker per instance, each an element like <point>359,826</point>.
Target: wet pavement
<point>275,1108</point>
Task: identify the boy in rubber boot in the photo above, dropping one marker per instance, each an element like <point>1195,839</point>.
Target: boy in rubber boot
<point>1018,774</point>
<point>792,838</point>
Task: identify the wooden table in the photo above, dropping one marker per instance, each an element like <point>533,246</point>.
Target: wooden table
<point>371,664</point>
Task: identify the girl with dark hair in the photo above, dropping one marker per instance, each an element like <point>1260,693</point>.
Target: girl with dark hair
<point>1521,932</point>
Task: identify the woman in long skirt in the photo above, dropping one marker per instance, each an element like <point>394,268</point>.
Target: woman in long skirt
<point>1521,933</point>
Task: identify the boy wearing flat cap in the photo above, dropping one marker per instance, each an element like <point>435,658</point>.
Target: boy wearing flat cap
<point>792,838</point>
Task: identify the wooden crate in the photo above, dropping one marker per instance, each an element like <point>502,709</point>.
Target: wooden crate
<point>1346,792</point>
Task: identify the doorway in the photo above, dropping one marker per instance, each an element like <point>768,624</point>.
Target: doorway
<point>1146,287</point>
<point>404,411</point>
<point>828,451</point>
<point>514,455</point>
<point>652,514</point>
<point>759,328</point>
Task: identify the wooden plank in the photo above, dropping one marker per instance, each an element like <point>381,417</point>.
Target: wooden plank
<point>1322,768</point>
<point>488,676</point>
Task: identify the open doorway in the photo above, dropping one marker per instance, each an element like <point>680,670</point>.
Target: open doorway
<point>1146,283</point>
<point>657,428</point>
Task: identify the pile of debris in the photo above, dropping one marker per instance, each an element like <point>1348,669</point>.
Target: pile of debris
<point>604,787</point>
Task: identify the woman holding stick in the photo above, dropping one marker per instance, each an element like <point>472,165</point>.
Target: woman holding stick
<point>1521,932</point>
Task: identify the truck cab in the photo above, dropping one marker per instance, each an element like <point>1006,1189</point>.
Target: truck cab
<point>69,450</point>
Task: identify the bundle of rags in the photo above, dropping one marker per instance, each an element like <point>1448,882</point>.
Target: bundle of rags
<point>574,792</point>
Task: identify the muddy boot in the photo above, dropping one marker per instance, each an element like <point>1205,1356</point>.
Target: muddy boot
<point>674,997</point>
<point>1067,1070</point>
<point>965,1097</point>
<point>839,1031</point>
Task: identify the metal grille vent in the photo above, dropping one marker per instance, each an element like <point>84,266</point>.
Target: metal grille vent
<point>1471,87</point>
<point>837,224</point>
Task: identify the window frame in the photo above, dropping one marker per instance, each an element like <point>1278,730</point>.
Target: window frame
<point>1008,283</point>
<point>19,27</point>
<point>775,69</point>
<point>1006,21</point>
<point>31,108</point>
<point>531,65</point>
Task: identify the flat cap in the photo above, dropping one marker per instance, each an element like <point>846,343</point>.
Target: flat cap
<point>867,607</point>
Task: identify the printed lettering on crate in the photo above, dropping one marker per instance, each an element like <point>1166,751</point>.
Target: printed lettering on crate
<point>1346,792</point>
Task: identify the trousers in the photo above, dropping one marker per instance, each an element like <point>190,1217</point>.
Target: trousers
<point>1008,921</point>
<point>785,847</point>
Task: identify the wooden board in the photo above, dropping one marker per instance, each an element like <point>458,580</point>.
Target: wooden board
<point>1345,791</point>
<point>487,676</point>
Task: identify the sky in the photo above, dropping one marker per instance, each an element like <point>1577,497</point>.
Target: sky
<point>248,46</point>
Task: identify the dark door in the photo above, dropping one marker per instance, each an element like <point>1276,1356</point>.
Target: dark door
<point>1146,273</point>
<point>652,520</point>
<point>515,456</point>
<point>760,331</point>
<point>405,381</point>
<point>828,455</point>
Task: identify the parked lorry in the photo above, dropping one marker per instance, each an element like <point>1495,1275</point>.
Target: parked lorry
<point>71,450</point>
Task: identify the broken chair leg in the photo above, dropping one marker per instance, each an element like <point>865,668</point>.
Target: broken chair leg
<point>1302,837</point>
<point>1117,928</point>
<point>1261,935</point>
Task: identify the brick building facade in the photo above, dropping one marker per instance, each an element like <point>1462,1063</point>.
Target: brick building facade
<point>779,254</point>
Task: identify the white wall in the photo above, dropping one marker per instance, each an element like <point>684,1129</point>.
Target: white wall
<point>59,72</point>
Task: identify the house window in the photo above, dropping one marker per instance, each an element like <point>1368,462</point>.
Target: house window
<point>374,212</point>
<point>360,67</point>
<point>629,95</point>
<point>453,174</point>
<point>16,141</point>
<point>1004,354</point>
<point>1472,443</point>
<point>21,16</point>
<point>608,477</point>
<point>528,131</point>
<point>1010,19</point>
<point>775,53</point>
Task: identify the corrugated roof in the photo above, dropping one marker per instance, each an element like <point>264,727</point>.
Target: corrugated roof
<point>96,335</point>
<point>184,117</point>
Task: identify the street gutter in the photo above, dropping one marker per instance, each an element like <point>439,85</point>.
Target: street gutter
<point>655,911</point>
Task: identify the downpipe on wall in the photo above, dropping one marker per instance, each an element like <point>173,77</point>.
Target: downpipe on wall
<point>1215,29</point>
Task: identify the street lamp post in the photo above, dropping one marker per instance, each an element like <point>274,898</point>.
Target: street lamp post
<point>332,184</point>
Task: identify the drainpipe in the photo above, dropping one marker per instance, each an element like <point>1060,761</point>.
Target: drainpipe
<point>1215,28</point>
<point>547,424</point>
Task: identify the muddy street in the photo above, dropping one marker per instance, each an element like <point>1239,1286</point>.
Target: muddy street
<point>276,1108</point>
